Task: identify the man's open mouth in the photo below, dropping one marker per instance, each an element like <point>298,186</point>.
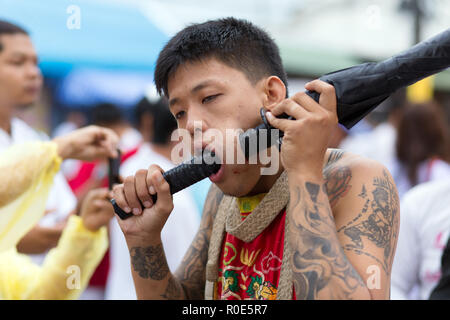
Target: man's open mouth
<point>217,177</point>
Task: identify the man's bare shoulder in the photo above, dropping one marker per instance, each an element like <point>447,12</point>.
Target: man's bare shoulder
<point>339,157</point>
<point>349,177</point>
<point>365,205</point>
<point>361,167</point>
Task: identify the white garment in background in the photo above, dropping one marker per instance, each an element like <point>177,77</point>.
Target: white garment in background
<point>61,200</point>
<point>176,235</point>
<point>64,128</point>
<point>424,231</point>
<point>430,170</point>
<point>130,139</point>
<point>378,144</point>
<point>70,166</point>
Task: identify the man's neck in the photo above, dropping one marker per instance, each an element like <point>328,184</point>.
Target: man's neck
<point>6,115</point>
<point>5,123</point>
<point>266,182</point>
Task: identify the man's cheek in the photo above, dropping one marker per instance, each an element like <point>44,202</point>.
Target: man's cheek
<point>232,151</point>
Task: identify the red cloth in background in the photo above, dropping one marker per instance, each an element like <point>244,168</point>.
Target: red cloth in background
<point>84,174</point>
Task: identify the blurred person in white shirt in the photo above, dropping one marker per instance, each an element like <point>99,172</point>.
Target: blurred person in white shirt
<point>74,120</point>
<point>424,232</point>
<point>92,175</point>
<point>111,116</point>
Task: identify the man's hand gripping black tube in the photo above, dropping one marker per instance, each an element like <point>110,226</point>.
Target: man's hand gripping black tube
<point>360,89</point>
<point>182,176</point>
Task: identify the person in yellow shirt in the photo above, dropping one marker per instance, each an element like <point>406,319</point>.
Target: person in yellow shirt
<point>26,172</point>
<point>68,267</point>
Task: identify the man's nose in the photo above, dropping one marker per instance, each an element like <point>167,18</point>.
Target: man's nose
<point>33,71</point>
<point>195,124</point>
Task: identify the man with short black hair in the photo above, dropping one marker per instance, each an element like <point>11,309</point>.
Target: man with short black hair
<point>324,226</point>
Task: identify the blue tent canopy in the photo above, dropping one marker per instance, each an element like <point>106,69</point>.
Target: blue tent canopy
<point>83,88</point>
<point>110,35</point>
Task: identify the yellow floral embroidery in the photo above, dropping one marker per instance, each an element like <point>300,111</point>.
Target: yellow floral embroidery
<point>246,260</point>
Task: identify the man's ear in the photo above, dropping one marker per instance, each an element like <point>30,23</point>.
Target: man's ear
<point>274,90</point>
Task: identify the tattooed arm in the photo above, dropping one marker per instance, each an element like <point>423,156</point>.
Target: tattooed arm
<point>191,273</point>
<point>367,220</point>
<point>151,274</point>
<point>343,230</point>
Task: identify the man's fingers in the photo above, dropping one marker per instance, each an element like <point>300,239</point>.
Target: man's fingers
<point>164,202</point>
<point>150,172</point>
<point>101,192</point>
<point>131,196</point>
<point>119,197</point>
<point>327,93</point>
<point>142,188</point>
<point>99,203</point>
<point>282,124</point>
<point>308,103</point>
<point>289,107</point>
<point>97,194</point>
<point>121,179</point>
<point>108,141</point>
<point>318,86</point>
<point>101,195</point>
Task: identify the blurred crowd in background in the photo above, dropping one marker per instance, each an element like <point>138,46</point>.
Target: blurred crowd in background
<point>97,59</point>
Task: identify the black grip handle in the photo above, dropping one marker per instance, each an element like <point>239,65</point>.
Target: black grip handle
<point>113,170</point>
<point>183,176</point>
<point>118,210</point>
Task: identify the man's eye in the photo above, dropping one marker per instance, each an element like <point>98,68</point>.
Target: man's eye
<point>179,115</point>
<point>210,98</point>
<point>17,62</point>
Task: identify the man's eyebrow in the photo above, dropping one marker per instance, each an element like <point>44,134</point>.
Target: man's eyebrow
<point>18,54</point>
<point>21,55</point>
<point>202,85</point>
<point>197,88</point>
<point>173,101</point>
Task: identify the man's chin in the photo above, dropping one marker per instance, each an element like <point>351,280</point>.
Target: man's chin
<point>231,192</point>
<point>25,105</point>
<point>231,186</point>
